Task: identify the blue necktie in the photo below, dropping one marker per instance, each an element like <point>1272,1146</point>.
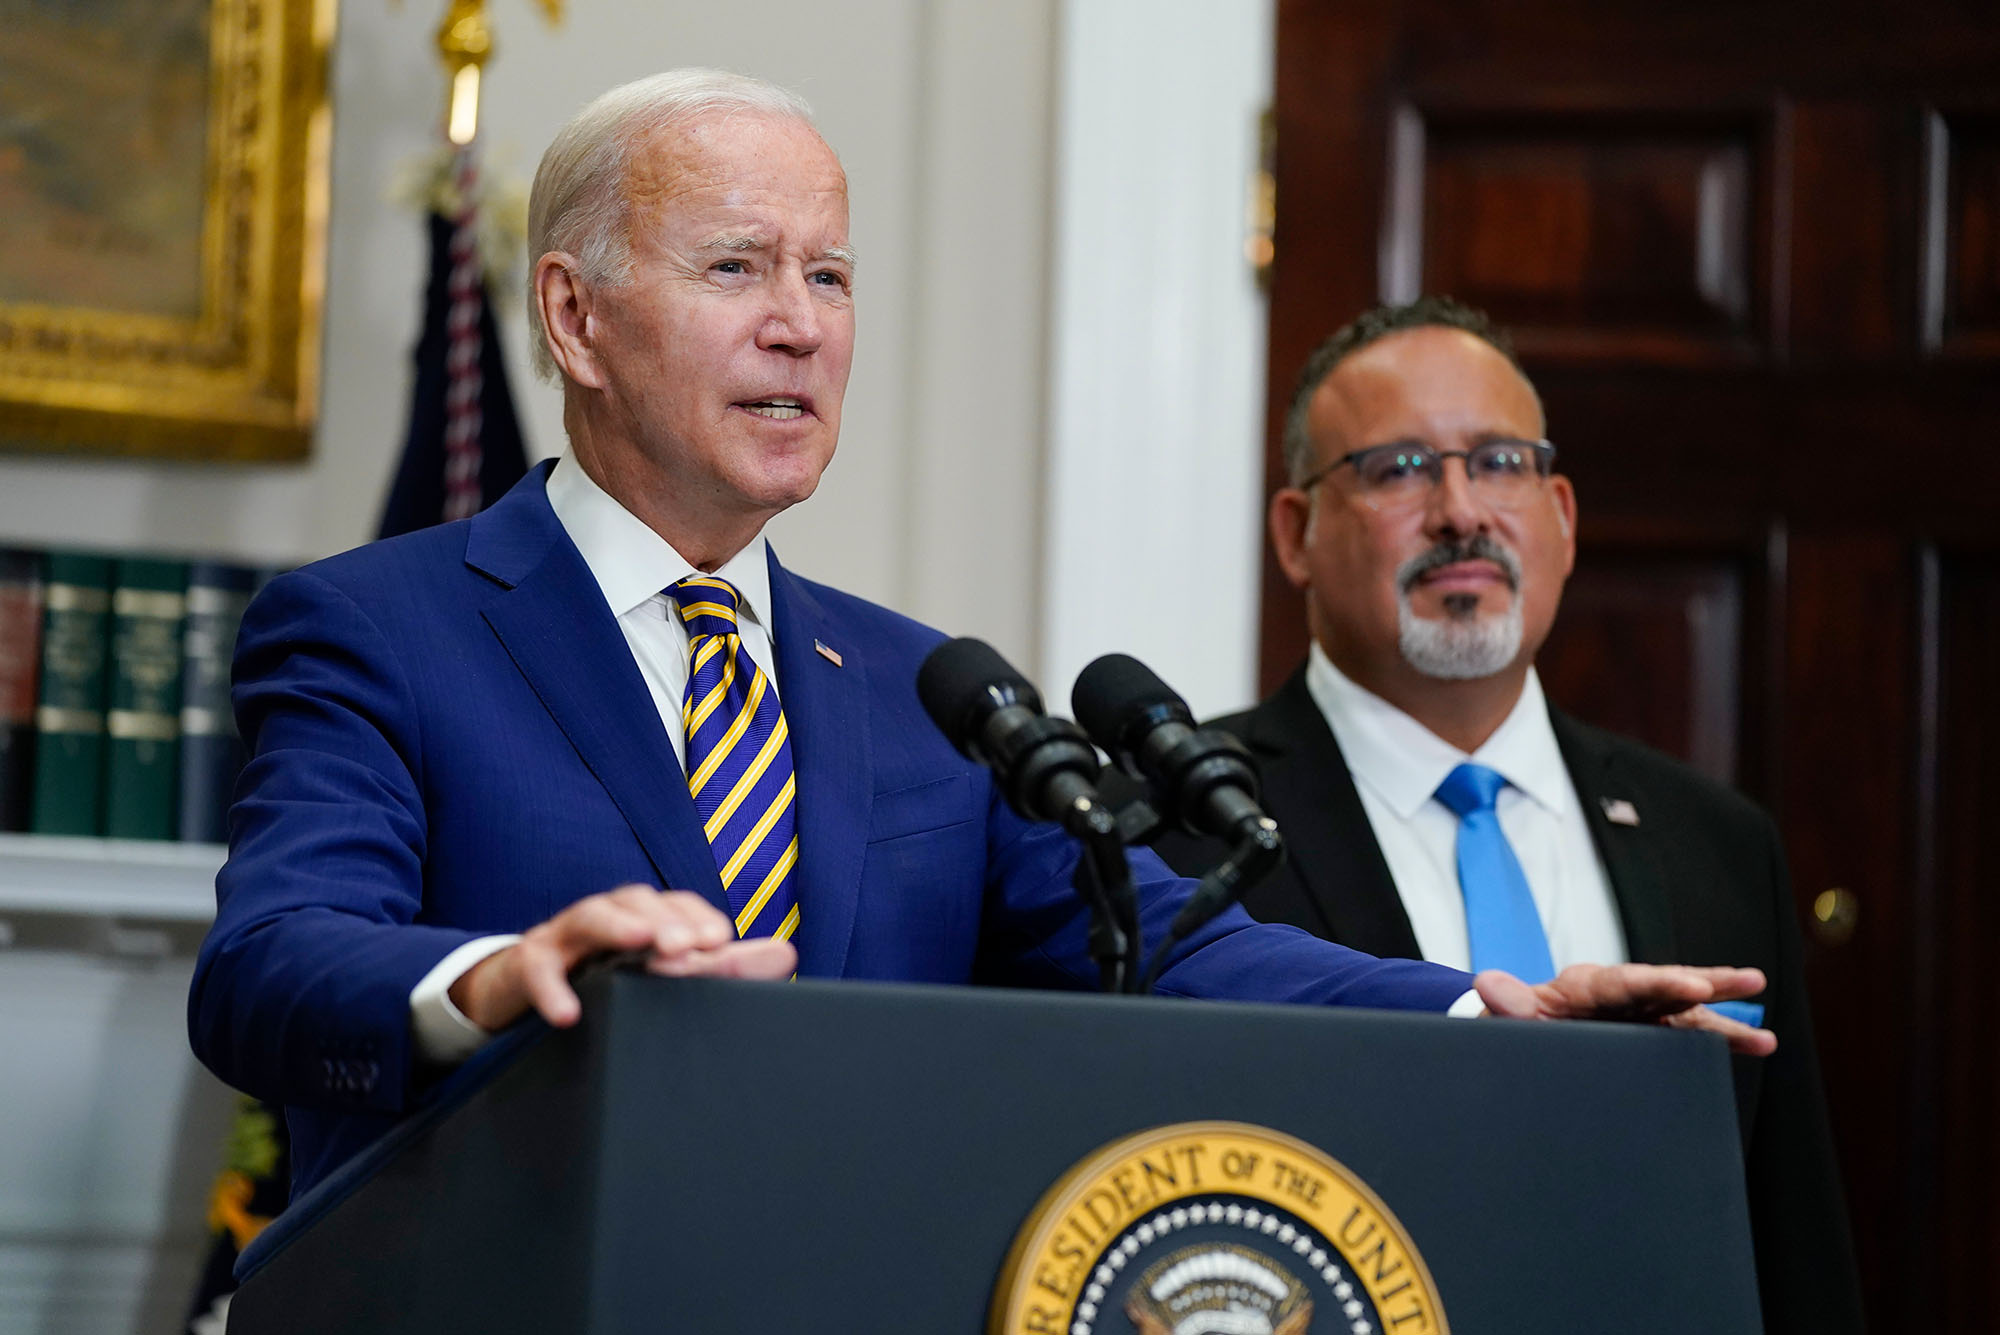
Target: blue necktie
<point>1504,929</point>
<point>739,762</point>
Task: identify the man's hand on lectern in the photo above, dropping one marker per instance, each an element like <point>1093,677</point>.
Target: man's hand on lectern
<point>1669,994</point>
<point>683,934</point>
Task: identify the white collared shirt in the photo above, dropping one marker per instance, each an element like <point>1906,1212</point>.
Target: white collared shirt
<point>1397,765</point>
<point>633,566</point>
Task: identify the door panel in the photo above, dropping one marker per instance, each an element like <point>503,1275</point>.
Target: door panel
<point>1651,644</point>
<point>1962,233</point>
<point>1605,234</point>
<point>1751,257</point>
<point>1963,926</point>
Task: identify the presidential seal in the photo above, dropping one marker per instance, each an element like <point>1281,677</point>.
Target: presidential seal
<point>1213,1228</point>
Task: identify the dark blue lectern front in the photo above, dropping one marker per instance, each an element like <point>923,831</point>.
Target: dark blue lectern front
<point>719,1157</point>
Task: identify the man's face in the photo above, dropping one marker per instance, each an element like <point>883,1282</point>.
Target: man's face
<point>1453,585</point>
<point>722,359</point>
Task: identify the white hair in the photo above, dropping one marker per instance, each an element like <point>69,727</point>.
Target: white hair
<point>579,204</point>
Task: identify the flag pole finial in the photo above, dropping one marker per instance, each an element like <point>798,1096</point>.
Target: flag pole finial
<point>465,40</point>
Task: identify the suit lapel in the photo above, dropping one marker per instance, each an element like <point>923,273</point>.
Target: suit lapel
<point>557,629</point>
<point>1630,853</point>
<point>826,707</point>
<point>1328,841</point>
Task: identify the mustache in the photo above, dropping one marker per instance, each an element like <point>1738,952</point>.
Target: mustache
<point>1478,547</point>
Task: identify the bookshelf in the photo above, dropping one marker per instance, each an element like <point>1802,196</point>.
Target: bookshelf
<point>113,878</point>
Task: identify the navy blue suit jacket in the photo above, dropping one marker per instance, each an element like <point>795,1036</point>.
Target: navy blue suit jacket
<point>449,738</point>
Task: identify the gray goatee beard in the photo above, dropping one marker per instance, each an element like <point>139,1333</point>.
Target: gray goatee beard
<point>1462,645</point>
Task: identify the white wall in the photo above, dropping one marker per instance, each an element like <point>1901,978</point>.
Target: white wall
<point>940,111</point>
<point>109,1138</point>
<point>940,108</point>
<point>945,500</point>
<point>955,119</point>
<point>1154,490</point>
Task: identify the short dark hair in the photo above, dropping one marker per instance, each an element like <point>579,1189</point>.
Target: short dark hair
<point>1357,334</point>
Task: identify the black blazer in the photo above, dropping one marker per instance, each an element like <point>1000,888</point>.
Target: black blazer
<point>1701,879</point>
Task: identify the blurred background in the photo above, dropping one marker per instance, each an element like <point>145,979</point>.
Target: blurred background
<point>1751,254</point>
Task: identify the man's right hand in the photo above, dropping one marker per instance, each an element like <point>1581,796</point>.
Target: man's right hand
<point>683,934</point>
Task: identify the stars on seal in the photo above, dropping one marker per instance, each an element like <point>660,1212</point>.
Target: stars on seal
<point>1322,1262</point>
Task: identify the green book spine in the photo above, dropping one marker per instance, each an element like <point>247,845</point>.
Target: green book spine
<point>69,718</point>
<point>142,764</point>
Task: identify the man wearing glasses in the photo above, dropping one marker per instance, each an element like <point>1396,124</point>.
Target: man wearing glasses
<point>1435,806</point>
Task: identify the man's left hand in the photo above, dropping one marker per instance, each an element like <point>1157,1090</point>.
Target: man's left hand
<point>1669,994</point>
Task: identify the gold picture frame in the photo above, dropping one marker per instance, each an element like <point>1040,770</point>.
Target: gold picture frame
<point>165,165</point>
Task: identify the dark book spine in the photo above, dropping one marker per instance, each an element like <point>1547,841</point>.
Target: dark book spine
<point>20,669</point>
<point>211,753</point>
<point>142,762</point>
<point>69,720</point>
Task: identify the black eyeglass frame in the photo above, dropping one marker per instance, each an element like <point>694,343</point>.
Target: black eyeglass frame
<point>1543,452</point>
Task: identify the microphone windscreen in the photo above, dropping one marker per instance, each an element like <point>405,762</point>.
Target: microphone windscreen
<point>1117,692</point>
<point>957,687</point>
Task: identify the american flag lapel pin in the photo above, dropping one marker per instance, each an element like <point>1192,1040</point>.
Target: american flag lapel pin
<point>820,648</point>
<point>1620,812</point>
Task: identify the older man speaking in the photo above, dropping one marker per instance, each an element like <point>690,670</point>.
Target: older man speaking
<point>601,716</point>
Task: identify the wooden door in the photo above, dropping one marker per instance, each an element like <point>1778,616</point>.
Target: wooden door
<point>1750,252</point>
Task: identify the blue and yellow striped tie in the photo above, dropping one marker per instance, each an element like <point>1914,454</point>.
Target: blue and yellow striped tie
<point>739,762</point>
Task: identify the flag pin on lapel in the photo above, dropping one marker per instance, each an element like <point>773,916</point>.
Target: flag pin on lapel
<point>820,648</point>
<point>1620,812</point>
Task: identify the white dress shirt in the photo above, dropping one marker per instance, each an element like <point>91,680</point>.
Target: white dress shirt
<point>1397,765</point>
<point>633,566</point>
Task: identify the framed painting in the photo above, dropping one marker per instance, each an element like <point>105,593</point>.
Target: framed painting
<point>163,192</point>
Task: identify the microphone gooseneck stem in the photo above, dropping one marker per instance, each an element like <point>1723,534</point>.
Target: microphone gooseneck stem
<point>1103,879</point>
<point>1047,770</point>
<point>1256,854</point>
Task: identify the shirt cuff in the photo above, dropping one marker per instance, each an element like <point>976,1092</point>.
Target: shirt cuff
<point>443,1034</point>
<point>1467,1007</point>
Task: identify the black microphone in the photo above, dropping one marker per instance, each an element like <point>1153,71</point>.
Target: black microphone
<point>1203,780</point>
<point>993,715</point>
<point>1048,770</point>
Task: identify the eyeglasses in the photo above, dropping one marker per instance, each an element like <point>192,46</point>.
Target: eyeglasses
<point>1503,473</point>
